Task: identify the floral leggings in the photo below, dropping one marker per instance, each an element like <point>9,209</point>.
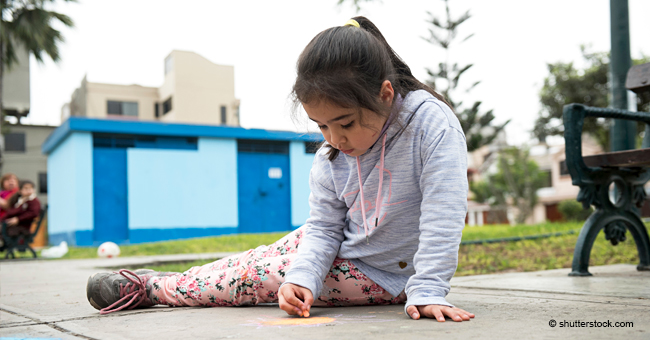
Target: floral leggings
<point>255,276</point>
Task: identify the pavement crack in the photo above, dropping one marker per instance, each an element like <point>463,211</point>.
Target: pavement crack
<point>123,314</point>
<point>560,299</point>
<point>18,324</point>
<point>51,324</point>
<point>542,291</point>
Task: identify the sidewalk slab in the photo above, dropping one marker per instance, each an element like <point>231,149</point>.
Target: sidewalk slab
<point>35,331</point>
<point>38,297</point>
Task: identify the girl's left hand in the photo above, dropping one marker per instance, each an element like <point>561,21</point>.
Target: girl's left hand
<point>438,312</point>
<point>12,221</point>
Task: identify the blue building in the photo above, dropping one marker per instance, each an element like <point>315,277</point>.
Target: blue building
<point>134,182</point>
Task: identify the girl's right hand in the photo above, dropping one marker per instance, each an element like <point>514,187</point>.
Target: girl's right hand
<point>295,299</point>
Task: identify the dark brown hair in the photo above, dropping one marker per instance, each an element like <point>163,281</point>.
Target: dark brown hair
<point>27,182</point>
<point>346,66</point>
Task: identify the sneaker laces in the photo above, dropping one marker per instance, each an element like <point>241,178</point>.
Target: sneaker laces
<point>136,290</point>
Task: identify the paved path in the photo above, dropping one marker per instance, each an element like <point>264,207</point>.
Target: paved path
<point>46,299</point>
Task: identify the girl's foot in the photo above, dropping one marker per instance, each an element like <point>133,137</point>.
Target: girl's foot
<point>111,292</point>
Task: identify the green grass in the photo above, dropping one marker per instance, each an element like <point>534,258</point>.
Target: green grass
<point>228,243</point>
<point>502,231</point>
<point>178,267</point>
<point>532,255</point>
<point>528,255</point>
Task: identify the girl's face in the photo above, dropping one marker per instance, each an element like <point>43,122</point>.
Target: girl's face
<point>342,129</point>
<point>341,126</point>
<point>27,190</point>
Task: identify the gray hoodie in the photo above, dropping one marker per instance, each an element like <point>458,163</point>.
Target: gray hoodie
<point>422,210</point>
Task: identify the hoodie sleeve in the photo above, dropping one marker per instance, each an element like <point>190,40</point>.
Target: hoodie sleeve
<point>324,232</point>
<point>444,188</point>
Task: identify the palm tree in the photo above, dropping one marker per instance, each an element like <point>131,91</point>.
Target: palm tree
<point>26,23</point>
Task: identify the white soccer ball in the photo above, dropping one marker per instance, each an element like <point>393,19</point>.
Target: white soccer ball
<point>108,250</point>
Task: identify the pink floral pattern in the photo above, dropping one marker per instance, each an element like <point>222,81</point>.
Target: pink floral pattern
<point>255,276</point>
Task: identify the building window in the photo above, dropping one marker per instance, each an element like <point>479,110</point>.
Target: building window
<point>169,64</point>
<point>42,182</point>
<point>262,146</point>
<point>564,170</point>
<point>114,107</point>
<point>167,105</point>
<point>15,142</point>
<point>548,180</point>
<point>223,114</point>
<point>156,109</point>
<point>312,147</point>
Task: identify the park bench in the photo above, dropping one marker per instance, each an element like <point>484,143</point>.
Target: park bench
<point>21,243</point>
<point>612,182</point>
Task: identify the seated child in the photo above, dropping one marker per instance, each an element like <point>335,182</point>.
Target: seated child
<point>387,206</point>
<point>23,209</point>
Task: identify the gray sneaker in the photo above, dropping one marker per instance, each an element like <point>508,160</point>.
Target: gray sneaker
<point>111,292</point>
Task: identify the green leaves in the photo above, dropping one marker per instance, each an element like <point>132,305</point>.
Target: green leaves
<point>567,84</point>
<point>29,24</point>
<point>515,183</point>
<point>477,126</point>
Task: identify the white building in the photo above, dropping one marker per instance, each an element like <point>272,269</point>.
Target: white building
<point>195,91</point>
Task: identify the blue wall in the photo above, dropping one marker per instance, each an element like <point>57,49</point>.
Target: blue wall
<point>300,166</point>
<point>70,190</point>
<point>182,193</point>
<point>173,193</point>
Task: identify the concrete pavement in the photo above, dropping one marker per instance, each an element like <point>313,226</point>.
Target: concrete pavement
<point>46,299</point>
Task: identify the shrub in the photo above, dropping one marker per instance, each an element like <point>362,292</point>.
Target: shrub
<point>572,210</point>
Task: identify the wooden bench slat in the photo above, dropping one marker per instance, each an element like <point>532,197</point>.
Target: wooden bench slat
<point>628,158</point>
<point>638,78</point>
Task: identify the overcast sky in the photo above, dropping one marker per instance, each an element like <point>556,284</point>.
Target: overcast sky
<point>125,42</point>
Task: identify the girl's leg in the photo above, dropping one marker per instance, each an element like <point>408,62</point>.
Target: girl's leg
<point>345,285</point>
<point>242,279</point>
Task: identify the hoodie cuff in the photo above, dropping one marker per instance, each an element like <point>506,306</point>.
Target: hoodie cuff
<point>305,280</point>
<point>424,300</point>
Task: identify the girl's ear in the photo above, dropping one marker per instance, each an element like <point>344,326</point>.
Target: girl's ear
<point>386,93</point>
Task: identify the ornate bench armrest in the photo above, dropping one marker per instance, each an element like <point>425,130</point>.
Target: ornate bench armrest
<point>573,116</point>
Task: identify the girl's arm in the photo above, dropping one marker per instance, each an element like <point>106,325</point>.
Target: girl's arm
<point>324,231</point>
<point>444,188</point>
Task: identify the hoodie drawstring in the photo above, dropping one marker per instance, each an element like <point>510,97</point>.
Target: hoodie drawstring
<point>379,194</point>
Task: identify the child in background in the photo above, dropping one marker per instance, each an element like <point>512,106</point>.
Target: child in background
<point>24,209</point>
<point>388,199</point>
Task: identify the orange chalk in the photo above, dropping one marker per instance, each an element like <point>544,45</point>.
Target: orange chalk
<point>305,314</point>
<point>298,322</point>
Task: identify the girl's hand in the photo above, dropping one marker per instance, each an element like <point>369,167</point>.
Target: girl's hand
<point>295,299</point>
<point>438,312</point>
<point>12,221</point>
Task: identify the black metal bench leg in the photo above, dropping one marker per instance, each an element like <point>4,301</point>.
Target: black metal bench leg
<point>33,252</point>
<point>588,233</point>
<point>640,235</point>
<point>599,220</point>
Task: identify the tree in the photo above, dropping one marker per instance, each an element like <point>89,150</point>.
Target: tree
<point>567,84</point>
<point>477,126</point>
<point>515,183</point>
<point>29,24</point>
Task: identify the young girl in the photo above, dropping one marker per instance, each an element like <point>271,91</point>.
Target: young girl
<point>388,199</point>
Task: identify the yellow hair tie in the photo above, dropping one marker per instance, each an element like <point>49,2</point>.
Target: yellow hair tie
<point>352,22</point>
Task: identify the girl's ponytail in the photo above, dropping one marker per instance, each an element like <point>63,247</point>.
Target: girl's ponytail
<point>406,82</point>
